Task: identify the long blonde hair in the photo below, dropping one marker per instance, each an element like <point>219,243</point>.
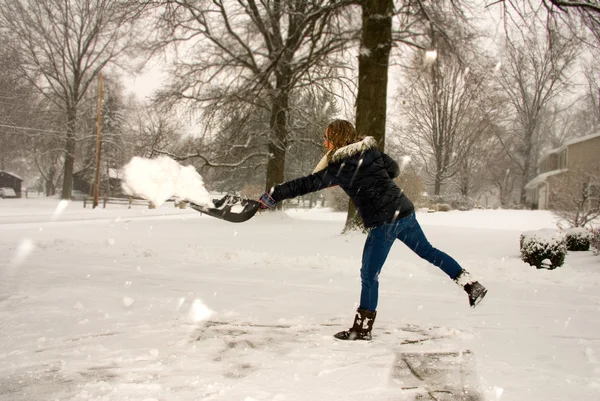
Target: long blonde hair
<point>341,133</point>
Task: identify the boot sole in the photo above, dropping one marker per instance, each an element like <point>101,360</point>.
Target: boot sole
<point>480,298</point>
<point>352,338</point>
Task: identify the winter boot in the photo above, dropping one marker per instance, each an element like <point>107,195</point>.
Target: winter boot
<point>361,329</point>
<point>474,290</point>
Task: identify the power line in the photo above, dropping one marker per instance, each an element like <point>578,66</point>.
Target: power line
<point>32,129</point>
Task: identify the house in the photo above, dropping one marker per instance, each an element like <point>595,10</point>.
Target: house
<point>11,180</point>
<point>83,182</point>
<point>558,164</point>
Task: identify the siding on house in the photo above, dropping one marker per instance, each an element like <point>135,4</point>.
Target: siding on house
<point>559,164</point>
<point>584,153</point>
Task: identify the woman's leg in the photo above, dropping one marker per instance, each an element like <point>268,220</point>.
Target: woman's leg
<point>377,247</point>
<point>414,237</point>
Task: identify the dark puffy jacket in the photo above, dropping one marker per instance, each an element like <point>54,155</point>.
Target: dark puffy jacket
<point>365,174</point>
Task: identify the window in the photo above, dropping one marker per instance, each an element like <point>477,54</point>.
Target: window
<point>562,160</point>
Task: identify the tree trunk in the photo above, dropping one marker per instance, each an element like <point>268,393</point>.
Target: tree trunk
<point>278,143</point>
<point>67,187</point>
<point>437,185</point>
<point>526,165</point>
<point>373,61</point>
<point>464,187</point>
<point>49,186</point>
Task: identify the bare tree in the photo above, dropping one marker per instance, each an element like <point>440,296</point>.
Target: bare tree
<point>447,112</point>
<point>501,169</point>
<point>587,12</point>
<point>561,124</point>
<point>592,96</point>
<point>575,196</point>
<point>149,129</point>
<point>248,57</point>
<point>569,13</point>
<point>575,119</point>
<point>373,63</point>
<point>238,154</point>
<point>591,6</point>
<point>63,45</point>
<point>533,75</point>
<point>415,19</point>
<point>17,112</point>
<point>471,174</point>
<point>48,160</point>
<point>310,112</point>
<point>114,150</point>
<point>46,146</point>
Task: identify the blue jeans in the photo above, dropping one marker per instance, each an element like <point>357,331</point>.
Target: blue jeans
<point>378,244</point>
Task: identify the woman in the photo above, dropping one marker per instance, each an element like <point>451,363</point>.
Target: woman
<point>366,175</point>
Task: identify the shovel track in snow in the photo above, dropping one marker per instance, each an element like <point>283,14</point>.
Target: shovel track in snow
<point>420,374</point>
<point>437,376</point>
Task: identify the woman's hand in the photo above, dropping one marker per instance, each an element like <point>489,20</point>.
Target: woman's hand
<point>266,202</point>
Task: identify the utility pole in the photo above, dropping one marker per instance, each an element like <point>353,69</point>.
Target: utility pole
<point>98,143</point>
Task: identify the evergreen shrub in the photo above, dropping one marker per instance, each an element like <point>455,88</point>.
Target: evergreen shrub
<point>543,248</point>
<point>578,239</point>
<point>443,207</point>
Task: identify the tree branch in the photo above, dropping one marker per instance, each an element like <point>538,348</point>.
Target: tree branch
<point>208,162</point>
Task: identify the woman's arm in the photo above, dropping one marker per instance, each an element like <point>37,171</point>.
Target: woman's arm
<point>300,186</point>
<point>391,166</point>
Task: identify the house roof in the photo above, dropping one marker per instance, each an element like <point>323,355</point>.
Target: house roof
<point>112,172</point>
<point>11,174</point>
<point>572,142</point>
<point>542,177</point>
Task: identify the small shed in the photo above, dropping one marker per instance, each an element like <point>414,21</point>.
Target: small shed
<point>83,181</point>
<point>10,180</point>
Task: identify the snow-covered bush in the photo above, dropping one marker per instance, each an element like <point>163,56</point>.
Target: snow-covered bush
<point>543,248</point>
<point>443,207</point>
<point>578,239</point>
<point>456,202</point>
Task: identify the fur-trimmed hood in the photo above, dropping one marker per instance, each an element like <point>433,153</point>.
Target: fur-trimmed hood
<point>349,150</point>
<point>355,148</point>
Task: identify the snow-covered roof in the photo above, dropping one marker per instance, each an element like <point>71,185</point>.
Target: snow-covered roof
<point>13,174</point>
<point>542,177</point>
<point>572,142</point>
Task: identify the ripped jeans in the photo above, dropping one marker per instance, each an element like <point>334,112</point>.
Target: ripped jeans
<point>377,246</point>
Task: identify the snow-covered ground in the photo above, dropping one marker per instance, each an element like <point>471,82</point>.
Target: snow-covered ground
<point>137,304</point>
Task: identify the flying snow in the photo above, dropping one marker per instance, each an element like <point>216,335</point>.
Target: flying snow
<point>199,311</point>
<point>404,161</point>
<point>162,178</point>
<point>25,248</point>
<point>430,57</point>
<point>60,208</point>
<point>128,301</point>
